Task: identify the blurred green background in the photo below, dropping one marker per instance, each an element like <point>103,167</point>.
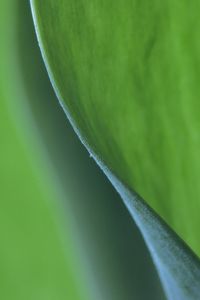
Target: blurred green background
<point>64,232</point>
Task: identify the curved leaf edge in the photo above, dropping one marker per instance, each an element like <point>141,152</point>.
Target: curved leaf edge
<point>177,265</point>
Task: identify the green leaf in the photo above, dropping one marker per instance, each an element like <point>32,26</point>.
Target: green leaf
<point>127,76</point>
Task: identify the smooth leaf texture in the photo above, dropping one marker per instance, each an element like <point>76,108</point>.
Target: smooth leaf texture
<point>127,74</point>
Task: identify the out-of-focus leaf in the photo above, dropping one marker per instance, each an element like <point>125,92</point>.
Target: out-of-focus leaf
<point>127,75</point>
<point>36,261</point>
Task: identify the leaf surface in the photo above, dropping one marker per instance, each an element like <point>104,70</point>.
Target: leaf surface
<point>127,76</point>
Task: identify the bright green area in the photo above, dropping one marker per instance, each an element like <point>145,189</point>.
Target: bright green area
<point>36,260</point>
<point>128,73</point>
